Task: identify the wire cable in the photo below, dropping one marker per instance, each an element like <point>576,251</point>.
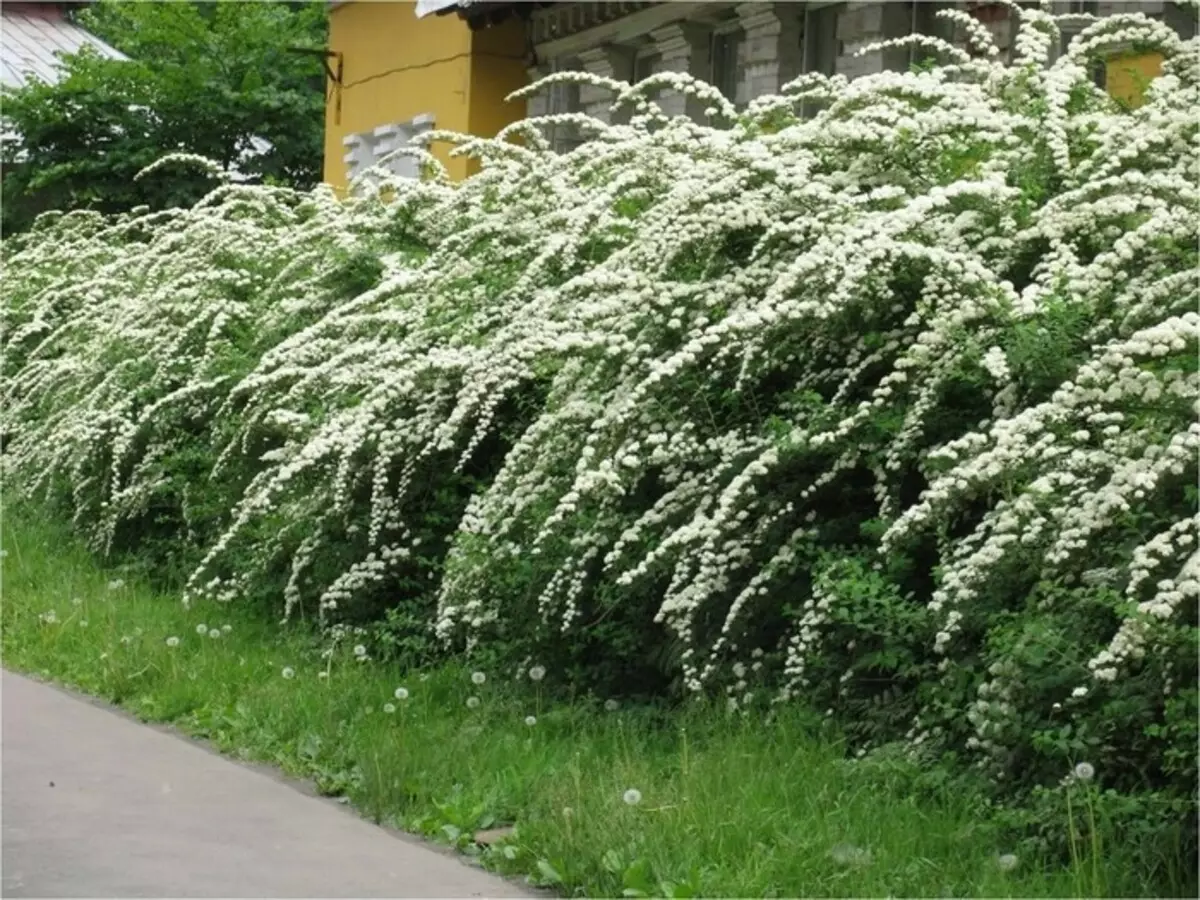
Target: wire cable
<point>425,65</point>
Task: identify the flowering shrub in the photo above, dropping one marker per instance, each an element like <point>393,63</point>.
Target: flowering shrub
<point>892,408</point>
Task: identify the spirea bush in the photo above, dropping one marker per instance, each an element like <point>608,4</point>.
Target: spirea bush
<point>890,410</point>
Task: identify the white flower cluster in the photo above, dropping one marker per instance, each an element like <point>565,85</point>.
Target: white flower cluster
<point>959,302</point>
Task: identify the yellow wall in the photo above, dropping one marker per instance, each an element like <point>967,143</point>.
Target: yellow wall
<point>498,67</point>
<point>1126,76</point>
<point>396,67</point>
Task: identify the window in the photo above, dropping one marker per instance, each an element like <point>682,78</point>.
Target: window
<point>563,98</point>
<point>725,71</point>
<point>820,47</point>
<point>925,21</point>
<point>643,64</point>
<point>1071,27</point>
<point>821,44</point>
<point>1126,76</point>
<point>1181,18</point>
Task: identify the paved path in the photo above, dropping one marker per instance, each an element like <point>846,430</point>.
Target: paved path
<point>95,804</point>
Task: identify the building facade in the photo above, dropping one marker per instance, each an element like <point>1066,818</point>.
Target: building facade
<point>751,49</point>
<point>747,49</point>
<point>394,74</point>
<point>34,36</point>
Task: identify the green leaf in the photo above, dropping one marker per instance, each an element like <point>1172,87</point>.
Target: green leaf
<point>548,872</point>
<point>613,862</point>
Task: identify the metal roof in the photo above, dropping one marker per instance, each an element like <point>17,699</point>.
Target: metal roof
<point>30,45</point>
<point>425,7</point>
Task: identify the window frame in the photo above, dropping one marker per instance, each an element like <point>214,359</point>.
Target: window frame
<point>731,35</point>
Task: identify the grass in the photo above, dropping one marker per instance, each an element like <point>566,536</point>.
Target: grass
<point>729,806</point>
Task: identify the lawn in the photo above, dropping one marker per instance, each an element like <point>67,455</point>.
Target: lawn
<point>587,797</point>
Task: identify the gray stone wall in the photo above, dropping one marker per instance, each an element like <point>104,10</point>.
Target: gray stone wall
<point>862,24</point>
<point>776,41</point>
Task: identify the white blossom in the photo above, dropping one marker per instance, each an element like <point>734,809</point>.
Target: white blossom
<point>881,255</point>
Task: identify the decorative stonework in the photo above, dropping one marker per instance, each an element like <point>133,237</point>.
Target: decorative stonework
<point>682,47</point>
<point>537,104</point>
<point>369,148</point>
<point>862,24</point>
<point>563,19</point>
<point>772,50</point>
<point>771,53</point>
<point>610,61</point>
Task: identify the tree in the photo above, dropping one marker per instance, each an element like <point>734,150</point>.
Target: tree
<point>215,79</point>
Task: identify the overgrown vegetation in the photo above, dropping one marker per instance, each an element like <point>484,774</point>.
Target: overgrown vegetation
<point>889,412</point>
<point>590,797</point>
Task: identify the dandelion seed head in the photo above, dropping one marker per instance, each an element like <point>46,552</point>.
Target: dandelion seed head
<point>632,797</point>
<point>1085,771</point>
<point>478,678</point>
<point>172,641</point>
<point>531,721</point>
<point>202,629</point>
<point>472,702</point>
<point>226,628</point>
<point>401,693</point>
<point>389,708</point>
<point>849,855</point>
<point>1006,862</point>
<point>611,705</point>
<point>537,673</point>
<point>288,672</point>
<point>214,633</point>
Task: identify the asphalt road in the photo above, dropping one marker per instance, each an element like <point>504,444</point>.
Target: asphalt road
<point>94,804</point>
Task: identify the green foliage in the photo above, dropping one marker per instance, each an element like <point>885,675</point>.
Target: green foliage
<point>208,78</point>
<point>889,412</point>
<point>766,808</point>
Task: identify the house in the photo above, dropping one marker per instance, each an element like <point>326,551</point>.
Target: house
<point>752,49</point>
<point>452,67</point>
<point>33,38</point>
<point>398,70</point>
<point>34,35</point>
